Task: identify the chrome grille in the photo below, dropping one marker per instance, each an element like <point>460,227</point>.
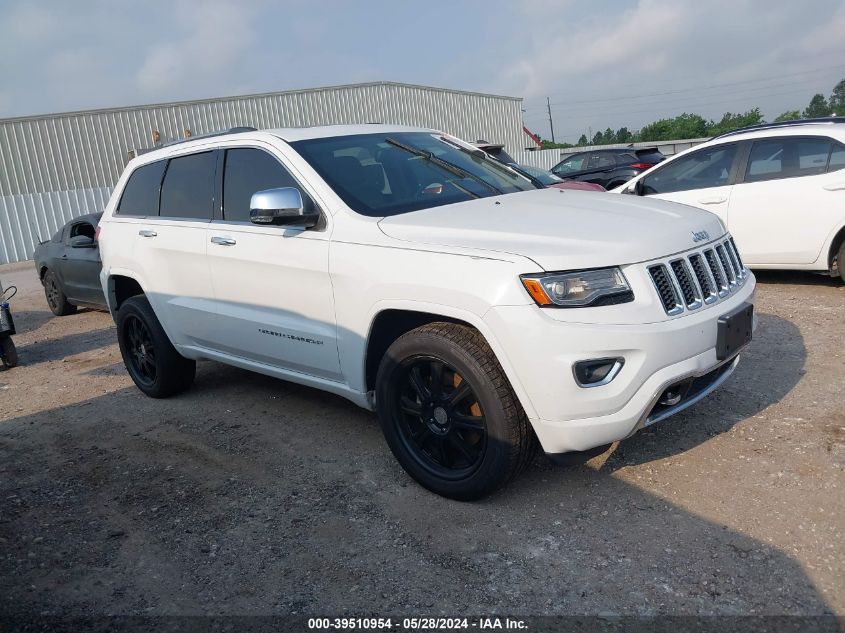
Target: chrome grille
<point>666,290</point>
<point>723,259</point>
<point>689,290</point>
<point>698,277</point>
<point>716,271</point>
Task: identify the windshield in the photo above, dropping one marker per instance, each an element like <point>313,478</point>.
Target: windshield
<point>388,174</point>
<point>546,177</point>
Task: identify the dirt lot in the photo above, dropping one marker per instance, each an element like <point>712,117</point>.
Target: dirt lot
<point>251,495</point>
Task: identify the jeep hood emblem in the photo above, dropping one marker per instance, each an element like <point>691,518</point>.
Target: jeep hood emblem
<point>700,236</point>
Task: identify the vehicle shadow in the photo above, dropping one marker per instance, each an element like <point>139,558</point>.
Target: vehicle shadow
<point>30,320</point>
<point>804,278</point>
<point>768,370</point>
<point>49,349</point>
<point>251,495</point>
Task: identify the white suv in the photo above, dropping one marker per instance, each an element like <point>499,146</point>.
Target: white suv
<point>404,270</point>
<point>779,188</point>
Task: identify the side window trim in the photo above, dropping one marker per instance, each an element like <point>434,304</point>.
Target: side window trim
<point>740,164</point>
<point>221,173</point>
<point>835,146</point>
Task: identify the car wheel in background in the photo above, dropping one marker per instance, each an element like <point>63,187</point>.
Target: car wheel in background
<point>8,353</point>
<point>150,358</point>
<point>449,413</point>
<point>56,298</point>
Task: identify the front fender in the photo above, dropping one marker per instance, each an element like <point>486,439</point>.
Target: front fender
<point>449,312</point>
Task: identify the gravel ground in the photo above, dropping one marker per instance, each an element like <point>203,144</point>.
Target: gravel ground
<point>248,495</point>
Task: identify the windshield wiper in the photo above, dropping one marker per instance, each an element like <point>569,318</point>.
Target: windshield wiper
<point>443,164</point>
<point>480,153</point>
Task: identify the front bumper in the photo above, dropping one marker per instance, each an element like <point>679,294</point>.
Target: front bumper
<point>542,350</point>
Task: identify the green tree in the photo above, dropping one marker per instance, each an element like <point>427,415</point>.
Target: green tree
<point>658,131</point>
<point>789,115</point>
<point>818,107</point>
<point>547,144</point>
<point>689,126</point>
<point>609,136</point>
<point>623,135</point>
<point>598,138</point>
<point>732,121</point>
<point>837,98</point>
<point>583,140</point>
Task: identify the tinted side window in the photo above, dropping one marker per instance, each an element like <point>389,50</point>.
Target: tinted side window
<point>188,187</point>
<point>601,160</point>
<point>837,158</point>
<point>710,167</point>
<point>140,196</point>
<point>787,158</point>
<point>571,164</point>
<point>248,171</point>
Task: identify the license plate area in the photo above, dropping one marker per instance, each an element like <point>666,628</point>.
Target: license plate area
<point>734,331</point>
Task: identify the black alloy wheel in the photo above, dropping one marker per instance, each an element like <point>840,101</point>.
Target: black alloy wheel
<point>138,343</point>
<point>440,418</point>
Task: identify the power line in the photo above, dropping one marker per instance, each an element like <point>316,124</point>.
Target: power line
<point>699,88</point>
<point>679,103</point>
<point>722,85</point>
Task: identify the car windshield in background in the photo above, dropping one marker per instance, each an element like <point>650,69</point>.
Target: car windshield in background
<point>545,177</point>
<point>392,173</point>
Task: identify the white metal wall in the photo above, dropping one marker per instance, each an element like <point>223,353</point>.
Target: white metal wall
<point>56,167</point>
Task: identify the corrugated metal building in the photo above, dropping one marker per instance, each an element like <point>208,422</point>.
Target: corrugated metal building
<point>55,167</point>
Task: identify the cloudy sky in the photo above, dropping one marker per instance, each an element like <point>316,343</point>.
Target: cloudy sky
<point>601,62</point>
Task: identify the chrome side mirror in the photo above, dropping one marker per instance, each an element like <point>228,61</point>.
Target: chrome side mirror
<point>282,206</point>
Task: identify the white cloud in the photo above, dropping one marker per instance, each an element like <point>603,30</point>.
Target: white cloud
<point>210,42</point>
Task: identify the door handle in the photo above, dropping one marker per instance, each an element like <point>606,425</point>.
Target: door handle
<point>147,233</point>
<point>713,200</point>
<point>835,186</point>
<point>223,241</point>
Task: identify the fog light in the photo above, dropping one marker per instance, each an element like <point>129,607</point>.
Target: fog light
<point>597,372</point>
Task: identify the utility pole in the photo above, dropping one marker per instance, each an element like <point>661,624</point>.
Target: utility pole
<point>551,123</point>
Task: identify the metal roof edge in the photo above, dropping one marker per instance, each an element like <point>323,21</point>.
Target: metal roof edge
<point>175,104</point>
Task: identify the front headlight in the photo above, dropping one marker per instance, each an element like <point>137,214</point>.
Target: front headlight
<point>578,289</point>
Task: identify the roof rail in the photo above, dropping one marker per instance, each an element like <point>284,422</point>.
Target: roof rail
<point>231,130</point>
<point>778,124</point>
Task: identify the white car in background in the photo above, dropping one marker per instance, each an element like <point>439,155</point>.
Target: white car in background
<point>779,188</point>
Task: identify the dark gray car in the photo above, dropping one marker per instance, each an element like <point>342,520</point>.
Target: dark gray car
<point>69,266</point>
<point>607,167</point>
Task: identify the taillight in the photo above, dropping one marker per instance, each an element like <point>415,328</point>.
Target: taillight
<point>97,234</point>
<point>643,165</point>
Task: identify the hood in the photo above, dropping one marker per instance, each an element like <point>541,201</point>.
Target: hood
<point>560,229</point>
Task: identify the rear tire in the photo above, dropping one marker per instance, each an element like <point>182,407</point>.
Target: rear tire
<point>8,352</point>
<point>150,358</point>
<point>841,261</point>
<point>449,413</point>
<point>56,298</point>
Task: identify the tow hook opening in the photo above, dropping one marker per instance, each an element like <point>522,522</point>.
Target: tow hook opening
<point>674,394</point>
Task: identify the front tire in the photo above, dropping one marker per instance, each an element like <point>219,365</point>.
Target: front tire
<point>150,358</point>
<point>56,298</point>
<point>449,413</point>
